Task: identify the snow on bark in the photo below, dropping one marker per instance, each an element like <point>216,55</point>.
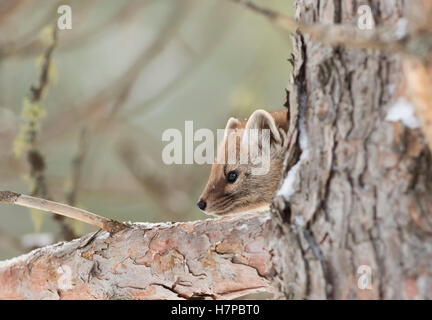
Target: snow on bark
<point>403,111</point>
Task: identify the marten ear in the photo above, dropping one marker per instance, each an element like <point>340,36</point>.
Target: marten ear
<point>261,119</point>
<point>232,124</point>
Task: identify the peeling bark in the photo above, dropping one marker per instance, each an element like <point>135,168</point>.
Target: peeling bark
<point>216,259</point>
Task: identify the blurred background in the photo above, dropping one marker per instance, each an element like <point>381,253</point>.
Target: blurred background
<point>82,111</point>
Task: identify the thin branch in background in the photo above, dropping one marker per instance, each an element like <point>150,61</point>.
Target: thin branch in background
<point>77,163</point>
<point>72,191</point>
<point>73,40</point>
<point>154,182</point>
<point>116,94</point>
<point>166,34</point>
<point>341,34</point>
<point>102,107</point>
<point>39,89</point>
<point>23,43</point>
<point>183,77</point>
<point>158,184</point>
<point>171,190</point>
<point>8,8</point>
<point>61,209</point>
<point>35,158</point>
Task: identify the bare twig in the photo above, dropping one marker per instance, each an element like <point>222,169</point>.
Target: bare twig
<point>7,9</point>
<point>154,182</point>
<point>77,167</point>
<point>102,107</point>
<point>181,79</point>
<point>122,91</point>
<point>335,34</point>
<point>72,191</point>
<point>70,41</point>
<point>61,209</point>
<point>27,43</point>
<point>34,156</point>
<point>39,89</point>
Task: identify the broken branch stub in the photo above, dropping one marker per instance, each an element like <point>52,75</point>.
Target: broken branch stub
<point>61,209</point>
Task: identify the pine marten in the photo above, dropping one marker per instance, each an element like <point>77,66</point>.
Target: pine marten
<point>233,187</point>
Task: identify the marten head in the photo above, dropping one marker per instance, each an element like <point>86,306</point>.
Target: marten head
<point>248,165</point>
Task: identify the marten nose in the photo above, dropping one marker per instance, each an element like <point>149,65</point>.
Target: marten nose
<point>201,204</point>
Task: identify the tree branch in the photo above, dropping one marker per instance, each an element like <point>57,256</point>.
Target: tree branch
<point>342,34</point>
<point>220,258</point>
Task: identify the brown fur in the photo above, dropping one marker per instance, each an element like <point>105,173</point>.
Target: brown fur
<point>248,192</point>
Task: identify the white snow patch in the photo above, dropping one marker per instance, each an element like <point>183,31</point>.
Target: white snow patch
<point>265,218</point>
<point>243,227</point>
<point>297,12</point>
<point>287,189</point>
<point>303,140</point>
<point>152,225</point>
<point>403,111</point>
<point>391,88</point>
<point>401,28</point>
<point>299,221</point>
<point>104,235</point>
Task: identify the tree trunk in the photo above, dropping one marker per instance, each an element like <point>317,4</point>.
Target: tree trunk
<point>362,209</point>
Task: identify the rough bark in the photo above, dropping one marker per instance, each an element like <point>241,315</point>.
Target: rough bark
<point>217,259</point>
<point>364,189</point>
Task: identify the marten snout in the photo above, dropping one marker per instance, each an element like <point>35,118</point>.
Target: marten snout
<point>201,204</point>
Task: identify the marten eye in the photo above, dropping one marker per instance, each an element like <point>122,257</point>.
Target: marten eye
<point>232,176</point>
